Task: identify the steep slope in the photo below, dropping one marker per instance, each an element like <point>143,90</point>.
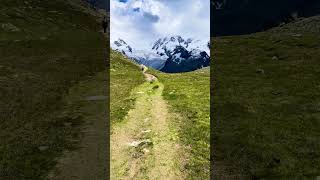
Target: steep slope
<point>266,103</point>
<point>124,77</point>
<point>46,47</point>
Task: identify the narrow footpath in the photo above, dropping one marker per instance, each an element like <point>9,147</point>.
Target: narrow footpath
<point>143,145</point>
<point>89,160</point>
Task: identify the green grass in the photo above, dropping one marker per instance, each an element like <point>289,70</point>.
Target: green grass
<point>188,94</point>
<point>56,47</point>
<point>80,116</point>
<point>267,124</point>
<point>124,77</point>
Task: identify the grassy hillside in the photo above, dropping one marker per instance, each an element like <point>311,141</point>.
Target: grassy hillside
<point>266,103</point>
<point>45,48</point>
<point>304,25</point>
<point>188,95</point>
<point>124,77</point>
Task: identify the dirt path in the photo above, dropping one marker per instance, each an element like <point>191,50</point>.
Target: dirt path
<point>90,160</point>
<point>143,145</point>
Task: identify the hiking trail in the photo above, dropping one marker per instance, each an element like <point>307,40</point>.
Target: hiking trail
<point>143,145</point>
<point>88,160</point>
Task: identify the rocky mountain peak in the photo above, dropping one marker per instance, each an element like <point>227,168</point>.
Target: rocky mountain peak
<point>169,54</point>
<point>121,45</point>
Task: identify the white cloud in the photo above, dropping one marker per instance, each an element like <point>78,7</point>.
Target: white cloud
<point>141,22</point>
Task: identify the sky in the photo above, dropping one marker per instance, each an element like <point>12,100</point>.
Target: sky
<point>141,22</point>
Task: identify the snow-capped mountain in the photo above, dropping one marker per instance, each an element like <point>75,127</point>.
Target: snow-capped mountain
<point>183,55</point>
<point>169,54</point>
<point>149,58</point>
<point>121,46</point>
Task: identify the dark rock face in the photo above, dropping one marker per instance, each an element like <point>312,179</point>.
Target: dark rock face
<point>187,65</point>
<point>235,17</point>
<point>184,55</point>
<point>182,60</point>
<point>120,43</point>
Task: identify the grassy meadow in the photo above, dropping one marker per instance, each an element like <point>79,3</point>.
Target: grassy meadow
<point>46,47</point>
<point>266,104</point>
<point>188,95</point>
<point>124,77</point>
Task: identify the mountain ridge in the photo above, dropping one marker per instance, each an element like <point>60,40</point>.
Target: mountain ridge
<point>169,54</point>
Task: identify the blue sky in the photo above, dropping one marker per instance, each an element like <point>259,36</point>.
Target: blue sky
<point>142,22</point>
